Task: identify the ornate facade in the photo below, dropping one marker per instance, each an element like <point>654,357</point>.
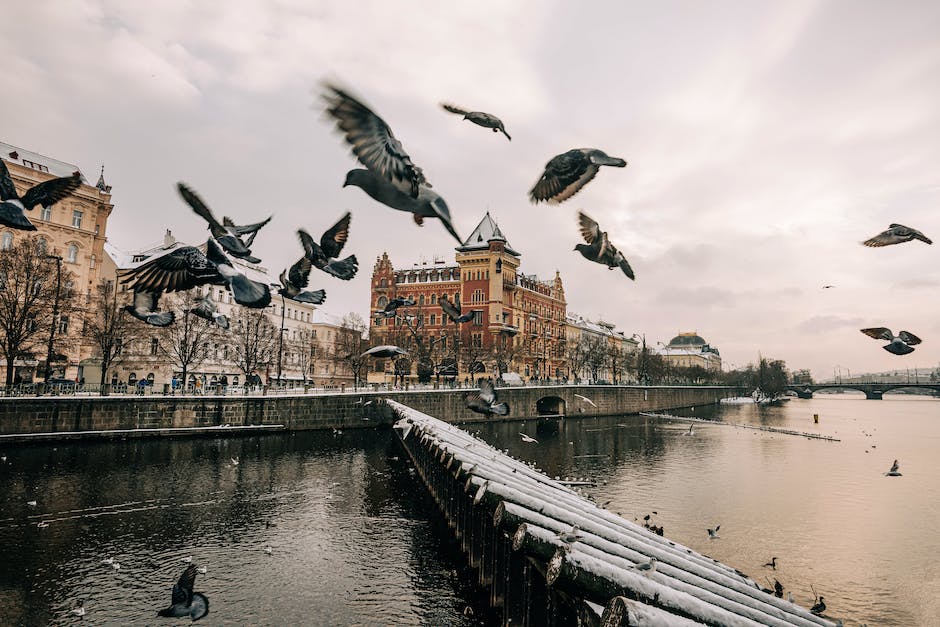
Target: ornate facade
<point>689,349</point>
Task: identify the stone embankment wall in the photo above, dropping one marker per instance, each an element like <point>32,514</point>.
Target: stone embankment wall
<point>62,415</point>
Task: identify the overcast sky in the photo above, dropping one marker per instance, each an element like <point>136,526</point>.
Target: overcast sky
<point>764,141</point>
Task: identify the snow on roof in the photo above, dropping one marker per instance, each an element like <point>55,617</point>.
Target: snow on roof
<point>32,159</point>
<point>120,258</point>
<point>486,230</point>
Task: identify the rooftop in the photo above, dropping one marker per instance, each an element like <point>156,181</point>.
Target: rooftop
<point>36,161</point>
<point>486,230</point>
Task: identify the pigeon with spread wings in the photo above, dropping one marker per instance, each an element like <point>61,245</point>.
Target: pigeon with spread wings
<point>567,173</point>
<point>227,234</point>
<point>453,311</point>
<point>294,280</point>
<point>373,142</point>
<point>144,309</point>
<point>598,248</point>
<point>184,601</point>
<point>47,193</point>
<point>323,255</point>
<point>484,400</point>
<point>900,344</point>
<point>486,120</point>
<point>896,234</point>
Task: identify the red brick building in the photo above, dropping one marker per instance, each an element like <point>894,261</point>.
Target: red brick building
<point>519,324</point>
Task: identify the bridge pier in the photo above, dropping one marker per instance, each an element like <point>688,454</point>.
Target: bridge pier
<point>873,395</point>
<point>804,393</point>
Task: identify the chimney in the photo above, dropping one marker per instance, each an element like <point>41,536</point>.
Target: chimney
<point>168,239</point>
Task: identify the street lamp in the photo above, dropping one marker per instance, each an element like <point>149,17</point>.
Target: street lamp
<point>641,365</point>
<point>55,313</point>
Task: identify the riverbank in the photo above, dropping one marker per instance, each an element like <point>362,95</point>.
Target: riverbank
<point>70,417</point>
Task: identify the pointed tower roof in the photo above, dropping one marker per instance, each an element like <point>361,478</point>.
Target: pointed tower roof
<point>486,231</point>
<point>101,184</point>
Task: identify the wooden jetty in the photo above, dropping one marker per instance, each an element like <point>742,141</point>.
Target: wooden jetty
<point>741,425</point>
<point>549,556</point>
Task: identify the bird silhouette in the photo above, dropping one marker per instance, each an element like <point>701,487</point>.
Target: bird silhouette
<point>900,344</point>
<point>426,204</point>
<point>772,563</point>
<point>895,470</point>
<point>47,193</point>
<point>385,351</point>
<point>896,234</point>
<point>453,311</point>
<point>293,281</point>
<point>567,173</point>
<point>819,607</point>
<point>144,308</point>
<point>479,118</point>
<point>207,310</point>
<point>713,533</point>
<point>373,142</point>
<point>227,234</point>
<point>484,401</point>
<point>184,601</point>
<point>598,248</point>
<point>324,255</point>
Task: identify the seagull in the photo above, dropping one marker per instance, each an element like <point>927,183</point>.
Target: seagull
<point>227,234</point>
<point>323,255</point>
<point>772,563</point>
<point>899,344</point>
<point>268,550</point>
<point>384,351</point>
<point>426,204</point>
<point>896,234</point>
<point>569,537</point>
<point>79,609</point>
<point>294,280</point>
<point>586,400</point>
<point>479,118</point>
<point>47,193</point>
<point>42,524</point>
<point>484,401</point>
<point>713,533</point>
<point>185,602</point>
<point>528,438</point>
<point>599,249</point>
<point>206,308</point>
<point>647,567</point>
<point>145,309</point>
<point>373,142</point>
<point>31,503</point>
<point>567,173</point>
<point>452,309</point>
<point>895,470</point>
<point>819,607</point>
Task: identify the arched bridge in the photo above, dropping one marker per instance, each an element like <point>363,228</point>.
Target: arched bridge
<point>873,391</point>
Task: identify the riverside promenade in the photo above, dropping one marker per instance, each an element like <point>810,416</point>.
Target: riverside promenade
<point>76,416</point>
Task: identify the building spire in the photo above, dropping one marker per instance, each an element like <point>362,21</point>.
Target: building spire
<point>101,184</point>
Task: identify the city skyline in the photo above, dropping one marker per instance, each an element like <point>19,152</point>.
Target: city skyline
<point>764,144</point>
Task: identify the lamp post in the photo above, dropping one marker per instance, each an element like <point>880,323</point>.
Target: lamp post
<point>280,343</point>
<point>641,363</point>
<point>55,313</point>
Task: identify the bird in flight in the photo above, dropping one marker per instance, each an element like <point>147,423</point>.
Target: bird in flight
<point>528,438</point>
<point>453,311</point>
<point>772,563</point>
<point>227,234</point>
<point>598,248</point>
<point>895,470</point>
<point>567,173</point>
<point>896,234</point>
<point>184,601</point>
<point>324,255</point>
<point>828,287</point>
<point>484,401</point>
<point>899,344</point>
<point>47,193</point>
<point>384,351</point>
<point>479,118</point>
<point>713,533</point>
<point>585,399</point>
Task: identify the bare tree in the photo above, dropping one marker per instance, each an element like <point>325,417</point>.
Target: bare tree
<point>595,359</point>
<point>349,345</point>
<point>29,290</point>
<point>507,349</point>
<point>184,341</point>
<point>109,329</point>
<point>308,351</point>
<point>576,354</point>
<point>255,340</point>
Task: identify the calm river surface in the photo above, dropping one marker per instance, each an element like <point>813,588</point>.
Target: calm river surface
<point>353,540</point>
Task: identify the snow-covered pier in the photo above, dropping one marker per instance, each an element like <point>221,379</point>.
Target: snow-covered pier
<point>549,556</point>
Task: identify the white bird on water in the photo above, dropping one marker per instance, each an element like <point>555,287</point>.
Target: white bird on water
<point>268,550</point>
<point>202,569</point>
<point>528,438</point>
<point>31,503</point>
<point>586,400</point>
<point>79,609</point>
<point>713,533</point>
<point>42,524</point>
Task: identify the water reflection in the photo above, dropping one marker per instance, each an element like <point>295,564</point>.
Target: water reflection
<point>351,539</point>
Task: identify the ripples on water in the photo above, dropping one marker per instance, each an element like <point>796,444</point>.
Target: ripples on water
<point>354,539</point>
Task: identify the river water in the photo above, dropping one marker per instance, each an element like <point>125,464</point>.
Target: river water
<point>354,540</point>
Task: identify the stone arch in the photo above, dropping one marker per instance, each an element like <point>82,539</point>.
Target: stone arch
<point>550,406</point>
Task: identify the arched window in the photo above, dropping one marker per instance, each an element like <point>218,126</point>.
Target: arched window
<point>72,255</point>
<point>421,299</point>
<point>6,242</point>
<point>150,378</point>
<point>42,245</point>
<point>433,299</point>
<point>132,378</point>
<point>46,214</point>
<point>382,302</point>
<point>383,283</point>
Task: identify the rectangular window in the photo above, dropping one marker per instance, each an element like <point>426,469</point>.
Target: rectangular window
<point>154,345</point>
<point>64,325</point>
<point>45,214</point>
<point>477,318</point>
<point>433,319</point>
<point>477,340</point>
<point>77,218</point>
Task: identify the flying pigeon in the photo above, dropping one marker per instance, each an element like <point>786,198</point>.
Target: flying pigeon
<point>205,308</point>
<point>484,401</point>
<point>598,248</point>
<point>392,306</point>
<point>426,204</point>
<point>294,280</point>
<point>899,344</point>
<point>568,172</point>
<point>373,142</point>
<point>895,470</point>
<point>569,537</point>
<point>252,294</point>
<point>713,533</point>
<point>896,234</point>
<point>145,309</point>
<point>323,256</point>
<point>228,234</point>
<point>384,351</point>
<point>479,118</point>
<point>452,309</point>
<point>185,602</point>
<point>177,270</point>
<point>47,193</point>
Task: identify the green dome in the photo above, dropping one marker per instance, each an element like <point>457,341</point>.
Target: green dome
<point>687,339</point>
